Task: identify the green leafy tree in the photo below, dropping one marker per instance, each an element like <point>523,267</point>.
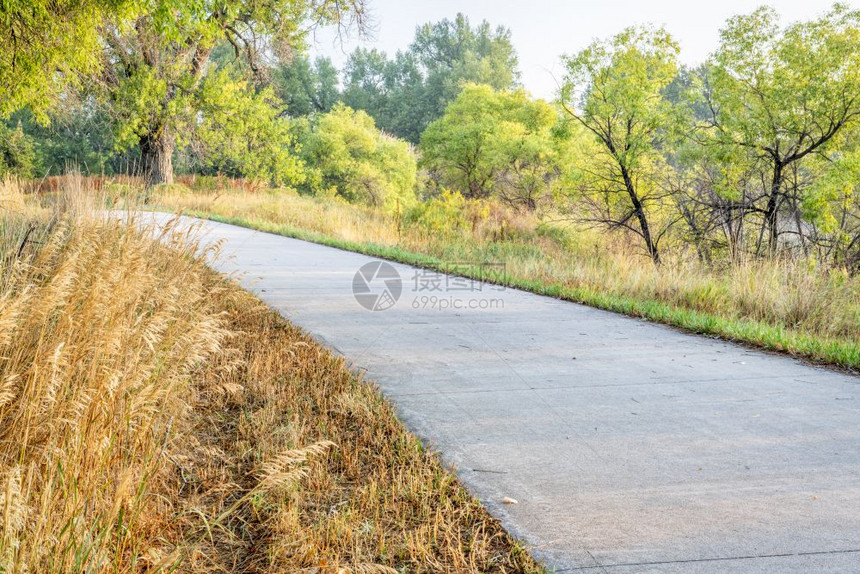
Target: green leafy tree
<point>306,87</point>
<point>781,99</point>
<point>47,44</point>
<point>453,53</point>
<point>348,157</point>
<point>155,65</point>
<point>78,136</point>
<point>615,91</point>
<point>392,91</point>
<point>494,142</point>
<point>303,86</point>
<point>242,133</point>
<point>406,93</point>
<point>366,84</point>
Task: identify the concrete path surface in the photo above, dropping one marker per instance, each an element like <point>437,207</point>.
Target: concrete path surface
<point>630,447</point>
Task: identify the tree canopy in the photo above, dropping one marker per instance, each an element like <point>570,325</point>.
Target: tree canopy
<point>407,92</point>
<point>348,157</point>
<point>242,133</point>
<point>156,59</point>
<point>306,87</point>
<point>491,142</point>
<point>48,44</point>
<point>615,90</point>
<point>783,101</point>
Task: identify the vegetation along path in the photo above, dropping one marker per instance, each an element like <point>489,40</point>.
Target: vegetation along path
<point>626,446</point>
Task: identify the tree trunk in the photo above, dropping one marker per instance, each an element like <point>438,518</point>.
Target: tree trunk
<point>639,210</point>
<point>156,152</point>
<point>771,213</point>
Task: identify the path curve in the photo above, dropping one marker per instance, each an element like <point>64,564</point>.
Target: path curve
<point>629,447</point>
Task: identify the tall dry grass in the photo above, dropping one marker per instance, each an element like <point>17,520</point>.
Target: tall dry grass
<point>100,327</point>
<point>23,222</point>
<point>156,418</point>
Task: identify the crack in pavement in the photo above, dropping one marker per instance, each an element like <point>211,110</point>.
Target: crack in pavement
<point>603,567</point>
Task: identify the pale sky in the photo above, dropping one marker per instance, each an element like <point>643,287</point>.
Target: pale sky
<point>543,30</point>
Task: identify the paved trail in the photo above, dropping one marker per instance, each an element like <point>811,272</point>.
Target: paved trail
<point>630,447</point>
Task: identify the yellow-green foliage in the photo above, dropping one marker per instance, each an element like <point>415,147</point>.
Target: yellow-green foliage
<point>439,216</point>
<point>17,153</point>
<point>495,142</point>
<point>450,215</point>
<point>243,134</point>
<point>348,157</point>
<point>785,119</point>
<point>46,43</point>
<point>614,89</point>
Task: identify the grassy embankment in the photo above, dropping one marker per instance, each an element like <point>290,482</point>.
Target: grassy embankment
<point>783,305</point>
<point>155,417</point>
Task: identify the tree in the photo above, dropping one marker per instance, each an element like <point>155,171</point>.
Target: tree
<point>406,93</point>
<point>47,44</point>
<point>615,90</point>
<point>306,87</point>
<point>366,84</point>
<point>831,204</point>
<point>780,98</point>
<point>349,158</point>
<point>154,66</point>
<point>79,135</point>
<point>492,141</point>
<point>391,91</point>
<point>243,133</point>
<point>453,53</point>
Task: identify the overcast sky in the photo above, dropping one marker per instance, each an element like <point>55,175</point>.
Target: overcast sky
<point>543,30</point>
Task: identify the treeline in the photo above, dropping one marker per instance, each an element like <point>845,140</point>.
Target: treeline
<point>755,152</point>
<point>184,97</point>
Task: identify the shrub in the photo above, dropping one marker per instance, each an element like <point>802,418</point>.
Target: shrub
<point>439,216</point>
<point>451,215</point>
<point>17,153</point>
<point>495,144</point>
<point>348,157</point>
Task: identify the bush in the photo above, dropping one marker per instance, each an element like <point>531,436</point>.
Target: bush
<point>439,216</point>
<point>496,144</point>
<point>17,153</point>
<point>451,215</point>
<point>348,157</point>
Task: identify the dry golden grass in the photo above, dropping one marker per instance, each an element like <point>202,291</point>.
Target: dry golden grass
<point>99,330</point>
<point>23,221</point>
<point>375,501</point>
<point>154,417</point>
